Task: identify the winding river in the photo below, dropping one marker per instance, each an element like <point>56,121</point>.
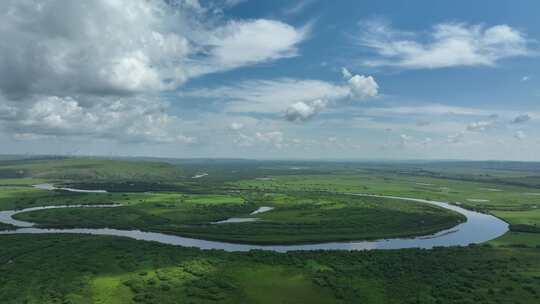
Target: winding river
<point>478,228</point>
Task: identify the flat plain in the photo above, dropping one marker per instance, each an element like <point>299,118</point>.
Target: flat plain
<point>312,202</point>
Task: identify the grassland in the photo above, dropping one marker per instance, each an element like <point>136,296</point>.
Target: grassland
<point>473,194</point>
<point>89,169</point>
<point>516,204</point>
<point>310,205</point>
<point>518,239</point>
<point>526,220</point>
<point>20,198</point>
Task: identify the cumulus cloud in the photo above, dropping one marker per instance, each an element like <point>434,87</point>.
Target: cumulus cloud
<point>124,119</point>
<point>447,45</point>
<point>126,46</point>
<point>521,119</point>
<point>360,86</point>
<point>302,111</point>
<point>98,67</point>
<point>64,47</point>
<point>363,86</point>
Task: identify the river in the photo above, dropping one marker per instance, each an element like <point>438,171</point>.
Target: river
<point>478,228</point>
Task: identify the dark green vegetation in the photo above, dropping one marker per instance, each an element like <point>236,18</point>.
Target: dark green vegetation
<point>518,205</point>
<point>310,203</point>
<point>6,227</point>
<point>296,219</point>
<point>84,269</point>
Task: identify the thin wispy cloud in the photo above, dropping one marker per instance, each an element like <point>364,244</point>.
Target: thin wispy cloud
<point>297,99</point>
<point>479,126</point>
<point>298,7</point>
<point>445,45</point>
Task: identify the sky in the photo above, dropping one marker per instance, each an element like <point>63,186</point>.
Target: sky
<point>306,79</point>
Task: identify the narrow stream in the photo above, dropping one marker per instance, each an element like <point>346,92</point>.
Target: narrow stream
<point>52,187</point>
<point>478,228</point>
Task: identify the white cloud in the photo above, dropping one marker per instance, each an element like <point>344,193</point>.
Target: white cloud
<point>298,7</point>
<point>302,111</point>
<point>241,43</point>
<point>126,119</point>
<point>298,99</point>
<point>64,47</point>
<point>429,109</point>
<point>126,46</point>
<point>424,115</point>
<point>271,96</point>
<point>346,73</point>
<point>448,45</point>
<point>98,67</point>
<point>363,86</point>
<point>480,126</point>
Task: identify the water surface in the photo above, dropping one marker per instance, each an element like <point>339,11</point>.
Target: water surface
<point>52,187</point>
<point>262,210</point>
<point>478,228</point>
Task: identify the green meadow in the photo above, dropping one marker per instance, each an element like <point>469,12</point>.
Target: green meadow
<point>312,203</point>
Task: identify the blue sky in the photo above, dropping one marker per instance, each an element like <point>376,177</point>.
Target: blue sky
<point>271,79</point>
